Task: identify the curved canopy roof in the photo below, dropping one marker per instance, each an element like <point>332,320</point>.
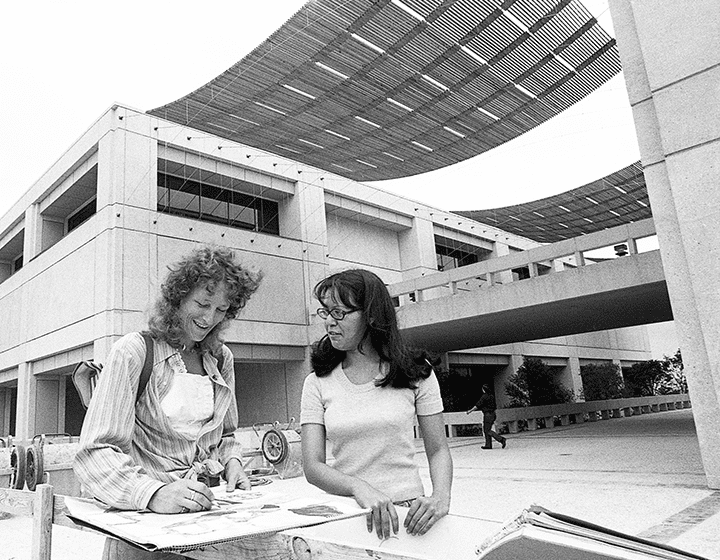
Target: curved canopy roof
<point>617,199</point>
<point>382,89</point>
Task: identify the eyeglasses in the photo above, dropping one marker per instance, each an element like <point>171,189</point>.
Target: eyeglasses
<point>336,313</point>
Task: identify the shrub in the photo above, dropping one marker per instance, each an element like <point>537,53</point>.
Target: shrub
<point>534,384</point>
<point>601,381</point>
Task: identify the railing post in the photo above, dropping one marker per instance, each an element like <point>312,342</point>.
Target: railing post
<point>579,259</point>
<point>533,269</point>
<point>632,247</point>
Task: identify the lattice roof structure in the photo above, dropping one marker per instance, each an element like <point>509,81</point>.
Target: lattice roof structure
<point>383,89</point>
<point>616,199</point>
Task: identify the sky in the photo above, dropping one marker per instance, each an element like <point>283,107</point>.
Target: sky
<point>62,64</point>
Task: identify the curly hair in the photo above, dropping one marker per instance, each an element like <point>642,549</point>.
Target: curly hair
<point>209,267</point>
<point>359,288</point>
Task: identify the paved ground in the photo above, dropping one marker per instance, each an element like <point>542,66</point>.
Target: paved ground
<point>640,475</point>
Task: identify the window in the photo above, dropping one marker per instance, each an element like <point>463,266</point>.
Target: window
<point>451,253</point>
<point>17,263</point>
<point>81,215</point>
<point>193,199</point>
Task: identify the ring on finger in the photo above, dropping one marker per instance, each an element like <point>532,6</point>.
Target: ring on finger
<point>183,509</point>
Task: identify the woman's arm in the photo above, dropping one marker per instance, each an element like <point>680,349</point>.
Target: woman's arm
<point>103,463</point>
<point>426,511</point>
<point>383,515</point>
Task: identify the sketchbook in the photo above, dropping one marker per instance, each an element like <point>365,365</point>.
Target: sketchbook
<point>235,515</point>
<point>539,533</point>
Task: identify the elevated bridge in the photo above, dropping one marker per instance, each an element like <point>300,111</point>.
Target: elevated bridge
<point>573,286</point>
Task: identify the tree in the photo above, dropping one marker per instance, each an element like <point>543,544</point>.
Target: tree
<point>601,381</point>
<point>656,377</point>
<point>642,378</point>
<point>674,380</point>
<point>534,384</point>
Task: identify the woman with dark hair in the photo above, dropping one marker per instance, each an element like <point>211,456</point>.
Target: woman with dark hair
<point>363,395</point>
<point>162,449</point>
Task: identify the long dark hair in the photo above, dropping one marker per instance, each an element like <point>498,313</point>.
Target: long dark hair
<point>364,290</point>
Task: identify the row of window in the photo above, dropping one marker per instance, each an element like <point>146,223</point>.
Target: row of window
<point>193,199</point>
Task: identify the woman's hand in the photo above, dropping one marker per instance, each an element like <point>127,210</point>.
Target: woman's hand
<point>424,513</point>
<point>383,516</point>
<point>181,496</point>
<point>236,476</point>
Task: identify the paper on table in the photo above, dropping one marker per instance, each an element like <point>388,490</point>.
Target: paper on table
<point>234,516</point>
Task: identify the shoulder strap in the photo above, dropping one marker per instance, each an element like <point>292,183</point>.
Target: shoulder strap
<point>147,366</point>
<point>221,360</point>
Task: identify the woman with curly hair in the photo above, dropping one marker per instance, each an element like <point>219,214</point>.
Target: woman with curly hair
<point>363,396</point>
<point>162,449</point>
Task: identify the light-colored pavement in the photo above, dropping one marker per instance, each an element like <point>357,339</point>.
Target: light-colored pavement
<point>641,475</point>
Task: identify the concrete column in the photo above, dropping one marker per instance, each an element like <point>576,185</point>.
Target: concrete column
<point>503,376</point>
<point>26,401</point>
<point>417,248</point>
<point>575,378</point>
<point>127,165</point>
<point>5,407</point>
<point>32,241</point>
<point>502,250</point>
<point>671,53</point>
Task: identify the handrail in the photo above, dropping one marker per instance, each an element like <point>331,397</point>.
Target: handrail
<point>578,411</point>
<point>563,255</point>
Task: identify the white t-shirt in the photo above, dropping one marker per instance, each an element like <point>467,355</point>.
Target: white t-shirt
<point>370,428</point>
<point>189,403</point>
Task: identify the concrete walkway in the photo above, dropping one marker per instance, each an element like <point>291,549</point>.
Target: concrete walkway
<point>641,475</point>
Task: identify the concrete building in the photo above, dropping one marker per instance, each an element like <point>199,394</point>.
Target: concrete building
<point>83,252</point>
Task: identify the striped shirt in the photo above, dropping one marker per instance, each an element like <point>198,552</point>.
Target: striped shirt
<point>128,451</point>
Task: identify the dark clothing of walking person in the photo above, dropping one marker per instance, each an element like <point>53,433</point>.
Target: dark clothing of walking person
<point>487,405</point>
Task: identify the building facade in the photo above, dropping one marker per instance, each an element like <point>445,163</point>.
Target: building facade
<point>84,251</point>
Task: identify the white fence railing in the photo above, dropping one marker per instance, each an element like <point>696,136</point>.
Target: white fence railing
<point>566,413</point>
<point>554,258</point>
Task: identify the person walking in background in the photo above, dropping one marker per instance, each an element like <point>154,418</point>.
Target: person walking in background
<point>162,449</point>
<point>363,396</point>
<point>486,404</point>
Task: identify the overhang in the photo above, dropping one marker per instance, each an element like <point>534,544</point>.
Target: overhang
<point>619,198</point>
<point>382,89</point>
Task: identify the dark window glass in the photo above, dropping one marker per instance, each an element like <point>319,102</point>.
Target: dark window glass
<point>17,263</point>
<point>454,255</point>
<point>81,215</point>
<point>243,212</point>
<point>522,273</point>
<point>193,199</point>
<point>214,204</point>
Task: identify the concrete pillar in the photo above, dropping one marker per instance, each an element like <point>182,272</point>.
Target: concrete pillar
<point>5,408</point>
<point>26,402</point>
<point>503,376</point>
<point>571,377</point>
<point>32,240</point>
<point>502,250</point>
<point>670,53</point>
<point>417,248</point>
